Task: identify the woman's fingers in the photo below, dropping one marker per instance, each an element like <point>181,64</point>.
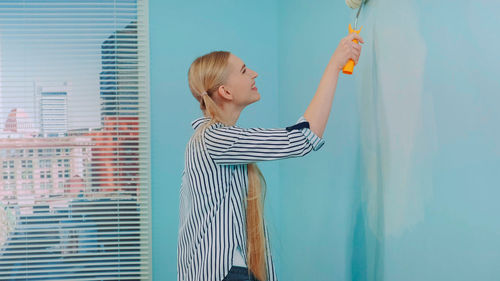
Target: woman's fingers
<point>356,36</point>
<point>354,48</point>
<point>355,52</point>
<point>347,49</point>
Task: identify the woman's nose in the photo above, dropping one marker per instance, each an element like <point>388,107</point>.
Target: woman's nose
<point>254,74</point>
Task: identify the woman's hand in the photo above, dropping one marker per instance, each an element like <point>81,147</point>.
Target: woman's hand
<point>346,50</point>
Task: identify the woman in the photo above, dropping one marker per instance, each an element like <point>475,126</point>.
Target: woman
<point>222,235</point>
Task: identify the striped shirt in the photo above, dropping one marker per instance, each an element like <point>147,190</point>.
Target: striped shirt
<point>213,191</point>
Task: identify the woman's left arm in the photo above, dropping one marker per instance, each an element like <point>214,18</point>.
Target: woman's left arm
<point>234,145</point>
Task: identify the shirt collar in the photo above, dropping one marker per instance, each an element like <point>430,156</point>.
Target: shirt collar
<point>197,122</point>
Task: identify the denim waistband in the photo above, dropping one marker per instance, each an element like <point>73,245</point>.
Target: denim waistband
<point>239,269</point>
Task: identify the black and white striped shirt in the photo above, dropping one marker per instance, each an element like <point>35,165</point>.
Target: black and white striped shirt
<point>213,191</point>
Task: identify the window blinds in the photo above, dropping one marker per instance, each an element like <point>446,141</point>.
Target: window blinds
<point>74,140</point>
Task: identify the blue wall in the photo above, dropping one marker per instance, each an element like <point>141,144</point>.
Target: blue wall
<point>319,192</point>
<point>432,81</point>
<point>406,186</point>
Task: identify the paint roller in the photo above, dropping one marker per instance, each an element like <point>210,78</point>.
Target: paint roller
<point>353,4</point>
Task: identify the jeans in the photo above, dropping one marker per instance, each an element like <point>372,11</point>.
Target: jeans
<point>238,273</point>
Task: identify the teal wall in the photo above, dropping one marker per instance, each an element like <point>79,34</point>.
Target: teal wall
<point>319,192</point>
<point>428,99</point>
<point>406,186</point>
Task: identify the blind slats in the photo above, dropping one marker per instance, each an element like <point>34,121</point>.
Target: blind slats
<point>74,140</point>
<point>122,277</point>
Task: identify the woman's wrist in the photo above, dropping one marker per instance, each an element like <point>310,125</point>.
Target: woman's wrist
<point>334,67</point>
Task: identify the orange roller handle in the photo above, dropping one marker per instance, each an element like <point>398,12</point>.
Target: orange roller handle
<point>349,66</point>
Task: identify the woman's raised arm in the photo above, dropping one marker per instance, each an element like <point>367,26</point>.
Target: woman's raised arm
<point>318,111</point>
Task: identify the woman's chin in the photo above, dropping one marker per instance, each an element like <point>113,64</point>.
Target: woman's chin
<point>258,96</point>
<point>255,98</point>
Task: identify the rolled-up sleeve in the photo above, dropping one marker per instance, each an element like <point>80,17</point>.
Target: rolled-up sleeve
<point>313,139</point>
<point>231,145</point>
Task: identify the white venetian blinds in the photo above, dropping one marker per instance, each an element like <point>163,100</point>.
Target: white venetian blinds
<point>74,140</point>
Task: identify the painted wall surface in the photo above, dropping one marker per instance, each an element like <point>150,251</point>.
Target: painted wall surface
<point>321,192</point>
<point>407,184</point>
<point>180,31</point>
<point>428,96</point>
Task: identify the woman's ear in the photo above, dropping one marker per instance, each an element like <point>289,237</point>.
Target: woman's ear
<point>224,93</point>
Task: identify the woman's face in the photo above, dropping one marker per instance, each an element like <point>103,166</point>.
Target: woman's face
<point>241,82</point>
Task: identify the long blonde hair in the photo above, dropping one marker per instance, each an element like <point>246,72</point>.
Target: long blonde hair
<point>206,74</point>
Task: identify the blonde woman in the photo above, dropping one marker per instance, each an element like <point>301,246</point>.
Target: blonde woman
<point>222,234</point>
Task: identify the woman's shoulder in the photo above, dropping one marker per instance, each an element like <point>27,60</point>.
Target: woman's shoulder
<point>201,125</point>
<point>207,122</point>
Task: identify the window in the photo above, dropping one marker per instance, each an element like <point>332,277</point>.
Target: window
<point>27,163</point>
<point>44,163</point>
<point>28,187</point>
<point>45,174</point>
<point>27,175</point>
<point>74,134</point>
